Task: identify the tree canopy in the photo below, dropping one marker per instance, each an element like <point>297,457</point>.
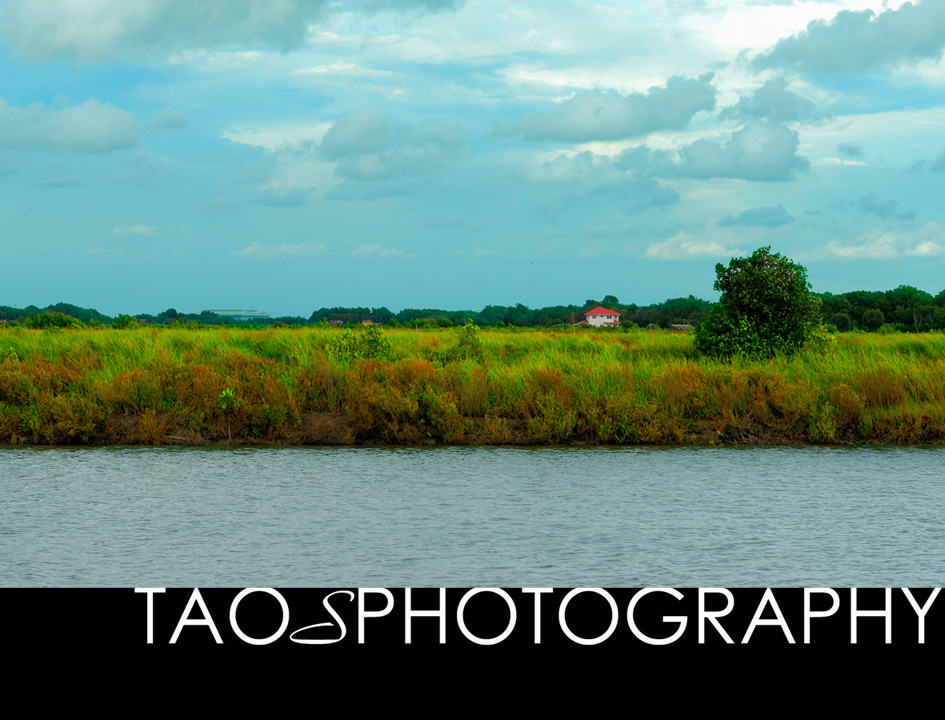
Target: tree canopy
<point>765,308</point>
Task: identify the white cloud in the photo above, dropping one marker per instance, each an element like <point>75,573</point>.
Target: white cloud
<point>135,230</point>
<point>408,5</point>
<point>857,42</point>
<point>375,250</point>
<point>101,30</point>
<point>347,69</point>
<point>759,151</point>
<point>93,127</point>
<point>168,119</point>
<point>593,250</point>
<point>279,138</point>
<point>216,60</point>
<point>759,217</point>
<point>608,115</point>
<point>773,101</point>
<point>684,246</point>
<point>927,241</point>
<point>96,30</point>
<point>267,251</point>
<point>839,161</point>
<point>407,153</point>
<point>580,169</point>
<point>363,133</point>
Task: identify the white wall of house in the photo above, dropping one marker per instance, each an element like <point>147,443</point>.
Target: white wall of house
<point>599,320</point>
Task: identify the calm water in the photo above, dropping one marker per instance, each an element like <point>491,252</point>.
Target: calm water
<point>472,517</point>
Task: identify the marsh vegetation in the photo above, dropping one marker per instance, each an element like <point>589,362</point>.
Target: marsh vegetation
<point>458,386</point>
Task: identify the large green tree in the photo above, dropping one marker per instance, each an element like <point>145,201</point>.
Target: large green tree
<point>765,308</point>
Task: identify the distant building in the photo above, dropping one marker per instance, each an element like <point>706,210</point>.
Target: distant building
<point>601,317</point>
<point>240,314</point>
<point>682,327</point>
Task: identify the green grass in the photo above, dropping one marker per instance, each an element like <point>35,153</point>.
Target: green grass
<point>161,385</point>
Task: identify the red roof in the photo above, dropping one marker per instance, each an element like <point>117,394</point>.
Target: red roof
<point>601,310</point>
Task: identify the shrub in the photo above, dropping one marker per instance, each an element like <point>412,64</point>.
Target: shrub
<point>369,343</point>
<point>52,320</point>
<point>470,346</point>
<point>765,308</point>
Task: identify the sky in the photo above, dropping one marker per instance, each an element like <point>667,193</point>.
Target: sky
<point>288,155</point>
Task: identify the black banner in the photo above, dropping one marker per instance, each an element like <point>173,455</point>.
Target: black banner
<point>317,621</point>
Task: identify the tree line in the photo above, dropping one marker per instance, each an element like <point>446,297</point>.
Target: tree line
<point>904,309</point>
<point>689,310</point>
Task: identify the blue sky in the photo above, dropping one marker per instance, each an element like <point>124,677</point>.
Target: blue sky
<point>290,155</point>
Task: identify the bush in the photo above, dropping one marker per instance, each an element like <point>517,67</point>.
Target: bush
<point>470,346</point>
<point>369,343</point>
<point>52,320</point>
<point>765,308</point>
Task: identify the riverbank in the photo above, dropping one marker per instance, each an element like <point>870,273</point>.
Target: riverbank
<point>165,386</point>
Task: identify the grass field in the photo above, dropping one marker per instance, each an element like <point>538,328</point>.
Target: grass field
<point>312,386</point>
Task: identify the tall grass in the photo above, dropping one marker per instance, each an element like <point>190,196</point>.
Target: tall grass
<point>286,386</point>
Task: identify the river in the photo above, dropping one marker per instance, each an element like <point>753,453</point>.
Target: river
<point>513,517</point>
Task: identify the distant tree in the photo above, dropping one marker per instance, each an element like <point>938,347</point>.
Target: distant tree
<point>842,321</point>
<point>168,316</point>
<point>765,308</point>
<point>873,318</point>
<point>124,321</point>
<point>79,313</point>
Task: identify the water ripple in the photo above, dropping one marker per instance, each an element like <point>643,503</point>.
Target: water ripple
<point>472,517</point>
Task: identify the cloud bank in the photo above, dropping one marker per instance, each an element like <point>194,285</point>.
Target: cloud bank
<point>759,217</point>
<point>92,127</point>
<point>774,102</point>
<point>759,151</point>
<point>854,42</point>
<point>83,31</point>
<point>608,115</point>
<point>88,31</point>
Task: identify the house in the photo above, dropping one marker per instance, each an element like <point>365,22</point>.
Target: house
<point>601,317</point>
